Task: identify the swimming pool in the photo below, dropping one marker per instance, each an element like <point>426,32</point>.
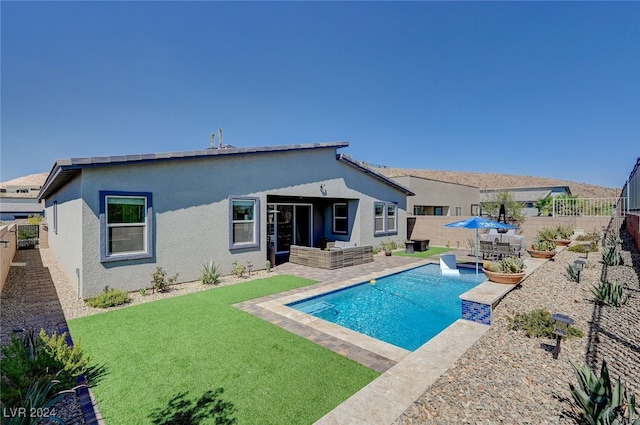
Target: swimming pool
<point>405,309</point>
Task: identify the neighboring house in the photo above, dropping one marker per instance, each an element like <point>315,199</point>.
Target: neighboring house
<point>18,198</point>
<point>113,220</point>
<point>528,196</point>
<point>18,208</point>
<point>434,197</point>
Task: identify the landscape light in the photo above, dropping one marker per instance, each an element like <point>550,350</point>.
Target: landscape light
<point>560,329</point>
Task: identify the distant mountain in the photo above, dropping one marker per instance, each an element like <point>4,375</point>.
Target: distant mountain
<point>482,180</point>
<point>32,180</point>
<point>504,181</point>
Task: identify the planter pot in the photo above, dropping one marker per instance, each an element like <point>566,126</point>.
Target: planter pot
<point>498,277</point>
<point>387,253</point>
<point>541,254</point>
<point>562,242</point>
<point>409,247</point>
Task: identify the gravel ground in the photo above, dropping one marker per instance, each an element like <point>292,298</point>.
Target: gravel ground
<point>505,378</point>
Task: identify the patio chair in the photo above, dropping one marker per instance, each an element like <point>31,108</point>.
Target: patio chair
<point>487,251</point>
<point>516,249</point>
<point>503,249</point>
<point>448,264</point>
<point>471,244</point>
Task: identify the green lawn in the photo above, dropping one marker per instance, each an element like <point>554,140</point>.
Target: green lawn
<point>197,343</point>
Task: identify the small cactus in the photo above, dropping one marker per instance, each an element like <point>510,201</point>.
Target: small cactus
<point>495,268</point>
<point>512,265</point>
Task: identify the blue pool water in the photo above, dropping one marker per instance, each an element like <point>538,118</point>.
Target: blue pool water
<point>405,309</point>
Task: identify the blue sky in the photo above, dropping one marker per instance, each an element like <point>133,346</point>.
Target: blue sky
<point>549,89</point>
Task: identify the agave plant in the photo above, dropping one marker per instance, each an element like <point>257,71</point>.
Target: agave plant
<point>610,293</point>
<point>211,273</point>
<point>600,402</point>
<point>572,272</point>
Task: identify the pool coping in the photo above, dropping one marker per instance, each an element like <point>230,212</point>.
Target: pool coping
<point>405,375</point>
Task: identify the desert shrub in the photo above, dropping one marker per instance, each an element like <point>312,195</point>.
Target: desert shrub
<point>40,359</point>
<point>238,269</point>
<point>34,219</point>
<point>109,298</point>
<point>160,281</point>
<point>594,235</point>
<point>210,273</point>
<point>538,324</point>
<point>581,248</point>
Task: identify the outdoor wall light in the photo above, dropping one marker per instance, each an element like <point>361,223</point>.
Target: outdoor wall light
<point>5,243</point>
<point>579,265</point>
<point>560,329</point>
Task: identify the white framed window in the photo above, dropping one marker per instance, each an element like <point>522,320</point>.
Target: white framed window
<point>392,219</point>
<point>340,218</point>
<point>458,210</point>
<point>125,226</point>
<point>385,217</point>
<point>244,222</point>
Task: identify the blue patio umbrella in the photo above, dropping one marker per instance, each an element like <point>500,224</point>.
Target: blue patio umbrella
<point>479,223</point>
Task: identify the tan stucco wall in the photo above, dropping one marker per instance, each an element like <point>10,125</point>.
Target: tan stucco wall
<point>437,193</point>
<point>7,254</point>
<point>432,227</point>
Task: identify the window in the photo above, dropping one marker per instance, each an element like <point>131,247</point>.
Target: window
<point>385,217</point>
<point>437,211</point>
<point>458,210</point>
<point>125,226</point>
<point>340,218</point>
<point>243,231</point>
<point>55,217</point>
<point>419,210</point>
<point>391,218</point>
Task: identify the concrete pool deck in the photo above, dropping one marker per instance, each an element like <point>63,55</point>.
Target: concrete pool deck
<point>405,374</point>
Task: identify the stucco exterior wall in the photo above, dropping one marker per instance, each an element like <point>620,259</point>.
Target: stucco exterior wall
<point>191,211</point>
<point>65,232</point>
<point>437,193</point>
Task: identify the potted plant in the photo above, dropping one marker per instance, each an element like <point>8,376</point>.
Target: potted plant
<point>562,235</point>
<point>508,270</point>
<point>388,246</point>
<point>542,249</point>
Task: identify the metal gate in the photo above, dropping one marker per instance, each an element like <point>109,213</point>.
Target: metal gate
<point>28,235</point>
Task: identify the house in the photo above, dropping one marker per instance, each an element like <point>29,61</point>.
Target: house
<point>113,220</point>
<point>435,197</point>
<point>528,196</point>
<point>19,198</point>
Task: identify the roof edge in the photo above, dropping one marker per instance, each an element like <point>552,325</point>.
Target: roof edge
<point>64,169</point>
<point>350,161</point>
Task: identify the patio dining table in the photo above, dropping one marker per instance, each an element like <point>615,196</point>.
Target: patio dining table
<point>516,242</point>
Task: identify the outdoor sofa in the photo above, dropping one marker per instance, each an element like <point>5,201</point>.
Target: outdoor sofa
<point>337,255</point>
